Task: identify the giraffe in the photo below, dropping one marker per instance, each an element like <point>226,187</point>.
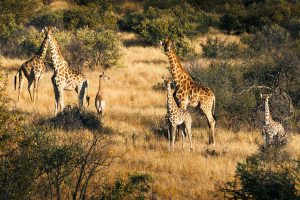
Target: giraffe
<point>33,69</point>
<point>177,119</point>
<point>272,131</point>
<point>100,103</point>
<point>65,78</point>
<point>188,92</point>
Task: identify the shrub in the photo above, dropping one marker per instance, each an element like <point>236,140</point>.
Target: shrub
<point>48,18</point>
<point>20,41</point>
<point>262,177</point>
<point>137,186</point>
<point>229,23</point>
<point>155,24</point>
<point>102,47</point>
<point>229,106</point>
<point>215,47</point>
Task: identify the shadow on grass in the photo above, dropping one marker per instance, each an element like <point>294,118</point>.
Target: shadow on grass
<point>73,118</point>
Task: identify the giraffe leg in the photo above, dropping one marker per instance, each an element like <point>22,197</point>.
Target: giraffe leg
<point>29,88</point>
<point>56,94</point>
<point>211,123</point>
<point>183,133</point>
<point>189,133</point>
<point>20,84</point>
<point>169,136</point>
<point>61,99</point>
<point>173,137</point>
<point>35,85</point>
<point>81,95</point>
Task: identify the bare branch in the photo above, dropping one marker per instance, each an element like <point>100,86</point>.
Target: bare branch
<point>255,87</point>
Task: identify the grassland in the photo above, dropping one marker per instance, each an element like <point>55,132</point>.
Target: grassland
<point>135,113</point>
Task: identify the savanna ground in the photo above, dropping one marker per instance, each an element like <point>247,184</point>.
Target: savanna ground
<point>135,114</point>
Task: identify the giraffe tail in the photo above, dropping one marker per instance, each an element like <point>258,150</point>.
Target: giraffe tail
<point>16,76</point>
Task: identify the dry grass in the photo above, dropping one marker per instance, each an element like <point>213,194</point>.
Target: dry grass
<point>61,5</point>
<point>135,113</point>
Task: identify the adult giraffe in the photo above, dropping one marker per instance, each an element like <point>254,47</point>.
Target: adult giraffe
<point>33,69</point>
<point>65,78</point>
<point>188,92</point>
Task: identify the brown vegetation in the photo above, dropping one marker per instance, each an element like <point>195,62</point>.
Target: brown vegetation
<point>135,114</point>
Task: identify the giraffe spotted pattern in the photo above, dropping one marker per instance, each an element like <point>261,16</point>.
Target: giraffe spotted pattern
<point>272,132</point>
<point>188,92</point>
<point>177,119</point>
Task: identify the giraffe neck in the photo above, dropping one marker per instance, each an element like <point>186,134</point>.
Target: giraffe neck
<point>100,85</point>
<point>176,68</point>
<point>43,49</point>
<point>268,117</point>
<point>171,104</point>
<point>57,59</point>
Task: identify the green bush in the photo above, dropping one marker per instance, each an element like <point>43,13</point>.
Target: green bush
<point>229,106</point>
<point>181,23</point>
<point>137,186</point>
<point>48,18</point>
<point>229,23</point>
<point>102,47</point>
<point>19,41</point>
<point>268,175</point>
<point>215,47</point>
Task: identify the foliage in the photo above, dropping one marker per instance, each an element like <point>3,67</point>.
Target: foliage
<point>215,47</point>
<point>102,47</point>
<point>229,23</point>
<point>37,163</point>
<point>77,18</point>
<point>71,119</point>
<point>137,186</point>
<point>269,175</point>
<point>19,41</point>
<point>229,107</point>
<point>21,10</point>
<point>155,24</point>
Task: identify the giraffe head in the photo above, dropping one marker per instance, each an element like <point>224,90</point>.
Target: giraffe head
<point>265,96</point>
<point>168,81</point>
<point>48,30</point>
<point>104,76</point>
<point>167,44</point>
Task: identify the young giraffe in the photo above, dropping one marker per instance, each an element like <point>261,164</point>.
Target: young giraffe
<point>177,119</point>
<point>100,103</point>
<point>33,70</point>
<point>65,78</point>
<point>272,130</point>
<point>189,93</point>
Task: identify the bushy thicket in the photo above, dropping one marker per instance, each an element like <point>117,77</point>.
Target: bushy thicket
<point>137,186</point>
<point>88,33</point>
<point>271,174</point>
<point>37,162</point>
<point>180,22</point>
<point>217,48</point>
<point>271,60</point>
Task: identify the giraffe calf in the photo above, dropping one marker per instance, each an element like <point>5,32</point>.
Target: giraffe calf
<point>100,102</point>
<point>272,132</point>
<point>177,119</point>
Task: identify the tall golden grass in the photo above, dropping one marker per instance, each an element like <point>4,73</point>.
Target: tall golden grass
<point>135,113</point>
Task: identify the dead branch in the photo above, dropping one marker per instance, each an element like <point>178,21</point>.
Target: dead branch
<point>255,87</point>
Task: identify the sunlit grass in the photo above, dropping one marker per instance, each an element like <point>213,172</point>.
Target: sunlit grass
<point>135,112</point>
